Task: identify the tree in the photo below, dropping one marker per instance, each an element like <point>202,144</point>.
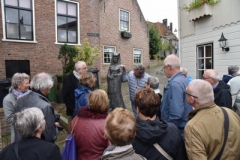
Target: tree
<point>66,54</point>
<point>154,41</point>
<point>86,53</point>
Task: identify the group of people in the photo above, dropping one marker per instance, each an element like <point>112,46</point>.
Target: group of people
<point>34,124</point>
<point>191,119</point>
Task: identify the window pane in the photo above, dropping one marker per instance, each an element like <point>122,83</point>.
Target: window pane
<point>25,17</point>
<point>11,15</point>
<point>26,32</point>
<point>208,63</point>
<point>11,2</point>
<point>72,9</point>
<point>62,7</point>
<point>62,22</point>
<point>62,35</point>
<point>72,24</point>
<point>72,36</point>
<point>12,31</point>
<point>25,3</point>
<point>208,51</point>
<point>200,52</point>
<point>201,63</point>
<point>108,52</point>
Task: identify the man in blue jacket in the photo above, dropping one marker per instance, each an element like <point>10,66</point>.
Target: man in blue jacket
<point>174,107</point>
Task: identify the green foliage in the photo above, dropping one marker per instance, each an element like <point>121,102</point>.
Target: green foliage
<point>198,3</point>
<point>66,54</point>
<point>165,46</point>
<point>154,41</point>
<point>86,53</point>
<point>71,54</point>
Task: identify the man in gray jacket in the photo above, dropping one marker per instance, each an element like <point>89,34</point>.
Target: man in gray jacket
<point>40,85</point>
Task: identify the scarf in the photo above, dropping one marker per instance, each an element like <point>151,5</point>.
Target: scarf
<point>20,94</point>
<point>76,74</point>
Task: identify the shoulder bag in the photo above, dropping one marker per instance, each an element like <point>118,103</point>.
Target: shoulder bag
<point>69,151</point>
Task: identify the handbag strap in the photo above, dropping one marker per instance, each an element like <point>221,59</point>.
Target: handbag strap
<point>159,148</point>
<point>226,128</point>
<point>74,125</point>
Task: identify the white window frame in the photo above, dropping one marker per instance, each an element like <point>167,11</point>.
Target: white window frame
<point>78,23</point>
<point>136,52</point>
<point>4,25</point>
<point>202,66</point>
<point>121,29</point>
<point>110,53</point>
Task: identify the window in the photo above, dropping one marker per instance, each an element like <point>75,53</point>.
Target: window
<point>108,52</point>
<point>137,56</point>
<point>67,22</point>
<point>124,20</point>
<point>204,58</point>
<point>18,19</point>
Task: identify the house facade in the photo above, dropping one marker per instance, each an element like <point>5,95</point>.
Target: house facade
<point>201,28</point>
<point>33,31</point>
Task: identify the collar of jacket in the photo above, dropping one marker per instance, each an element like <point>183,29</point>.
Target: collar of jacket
<point>175,75</point>
<point>202,107</point>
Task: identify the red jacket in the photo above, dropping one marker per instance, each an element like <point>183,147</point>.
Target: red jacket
<point>89,134</point>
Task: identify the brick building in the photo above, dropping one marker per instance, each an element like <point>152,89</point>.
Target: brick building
<point>32,32</point>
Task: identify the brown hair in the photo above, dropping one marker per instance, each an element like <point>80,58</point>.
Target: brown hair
<point>147,101</point>
<point>120,127</point>
<point>88,79</point>
<point>98,101</point>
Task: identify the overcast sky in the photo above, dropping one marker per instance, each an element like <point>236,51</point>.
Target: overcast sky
<point>157,10</point>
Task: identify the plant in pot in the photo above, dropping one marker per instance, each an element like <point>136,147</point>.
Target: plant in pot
<point>125,34</point>
<point>198,3</point>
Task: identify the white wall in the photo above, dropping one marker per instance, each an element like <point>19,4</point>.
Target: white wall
<point>205,31</point>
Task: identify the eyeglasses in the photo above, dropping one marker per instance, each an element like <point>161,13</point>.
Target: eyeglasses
<point>190,94</point>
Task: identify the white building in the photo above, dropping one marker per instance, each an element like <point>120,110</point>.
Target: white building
<point>199,32</point>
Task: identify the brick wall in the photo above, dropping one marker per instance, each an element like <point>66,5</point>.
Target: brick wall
<point>100,17</point>
<point>110,34</point>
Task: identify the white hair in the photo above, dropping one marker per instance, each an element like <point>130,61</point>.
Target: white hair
<point>41,81</point>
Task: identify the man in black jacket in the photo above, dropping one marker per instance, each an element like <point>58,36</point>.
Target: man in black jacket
<point>70,83</point>
<point>222,95</point>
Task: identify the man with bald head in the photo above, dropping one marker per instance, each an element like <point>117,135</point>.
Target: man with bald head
<point>222,95</point>
<point>174,107</point>
<point>204,132</point>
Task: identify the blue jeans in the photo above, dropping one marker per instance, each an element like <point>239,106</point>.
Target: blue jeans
<point>134,110</point>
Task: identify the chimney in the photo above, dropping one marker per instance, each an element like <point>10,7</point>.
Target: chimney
<point>165,22</point>
<point>170,26</point>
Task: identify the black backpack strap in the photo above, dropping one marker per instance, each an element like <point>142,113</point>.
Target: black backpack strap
<point>226,128</point>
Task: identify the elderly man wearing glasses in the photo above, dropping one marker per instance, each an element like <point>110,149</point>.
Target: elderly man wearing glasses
<point>174,107</point>
<point>222,95</point>
<point>209,130</point>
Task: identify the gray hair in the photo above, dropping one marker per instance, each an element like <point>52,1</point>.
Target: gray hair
<point>233,69</point>
<point>153,82</point>
<point>139,67</point>
<point>41,81</point>
<point>18,78</point>
<point>202,89</point>
<point>172,60</point>
<point>79,64</point>
<point>28,121</point>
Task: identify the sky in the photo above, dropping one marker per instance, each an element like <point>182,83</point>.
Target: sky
<point>157,10</point>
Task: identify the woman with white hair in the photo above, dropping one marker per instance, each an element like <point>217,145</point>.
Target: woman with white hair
<point>19,88</point>
<point>30,123</point>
